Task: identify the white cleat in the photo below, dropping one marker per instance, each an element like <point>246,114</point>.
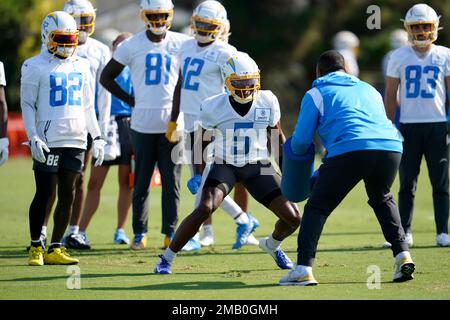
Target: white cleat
<point>408,239</point>
<point>251,240</point>
<point>404,267</point>
<point>207,239</point>
<point>443,240</point>
<point>300,276</point>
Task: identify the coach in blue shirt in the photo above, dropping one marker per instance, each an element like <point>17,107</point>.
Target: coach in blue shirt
<point>361,144</point>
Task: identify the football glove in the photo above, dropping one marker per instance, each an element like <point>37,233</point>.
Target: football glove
<point>37,149</point>
<point>98,151</point>
<point>170,132</point>
<point>4,142</point>
<point>194,183</point>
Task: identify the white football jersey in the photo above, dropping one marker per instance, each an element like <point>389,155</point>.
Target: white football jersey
<point>201,76</point>
<point>350,62</point>
<point>239,140</point>
<point>422,83</point>
<point>2,75</point>
<point>98,55</point>
<point>154,70</point>
<point>60,91</point>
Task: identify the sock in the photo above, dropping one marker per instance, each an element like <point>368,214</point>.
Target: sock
<point>230,207</point>
<point>72,229</point>
<point>44,231</point>
<point>306,268</point>
<point>401,255</point>
<point>169,255</point>
<point>242,218</point>
<point>54,245</point>
<point>36,243</point>
<point>272,244</point>
<point>208,228</point>
<point>120,230</point>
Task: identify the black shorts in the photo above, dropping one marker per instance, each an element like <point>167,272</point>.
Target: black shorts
<point>260,179</point>
<point>126,149</point>
<point>71,159</point>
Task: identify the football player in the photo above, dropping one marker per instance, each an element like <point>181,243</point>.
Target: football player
<point>153,58</point>
<point>57,107</point>
<point>4,142</point>
<point>200,78</point>
<point>241,154</point>
<point>119,140</point>
<point>347,44</point>
<point>422,72</point>
<point>98,55</point>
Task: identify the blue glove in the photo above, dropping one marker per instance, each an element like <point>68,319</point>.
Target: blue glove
<point>194,183</point>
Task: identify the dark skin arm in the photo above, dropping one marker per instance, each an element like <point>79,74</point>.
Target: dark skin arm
<point>276,135</point>
<point>107,79</point>
<point>200,144</point>
<point>176,100</point>
<point>3,113</point>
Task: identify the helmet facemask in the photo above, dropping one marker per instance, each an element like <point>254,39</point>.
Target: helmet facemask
<point>62,44</point>
<point>243,88</point>
<point>422,34</point>
<point>206,30</point>
<point>85,24</point>
<point>157,21</point>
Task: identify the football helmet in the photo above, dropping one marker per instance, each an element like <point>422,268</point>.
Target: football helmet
<point>209,21</point>
<point>84,15</point>
<point>157,15</point>
<point>59,34</point>
<point>242,77</point>
<point>399,38</point>
<point>344,40</point>
<point>421,14</point>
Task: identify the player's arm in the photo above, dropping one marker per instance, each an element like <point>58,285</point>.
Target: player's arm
<point>276,141</point>
<point>172,125</point>
<point>202,138</point>
<point>3,112</point>
<point>103,98</point>
<point>390,97</point>
<point>108,80</point>
<point>305,128</point>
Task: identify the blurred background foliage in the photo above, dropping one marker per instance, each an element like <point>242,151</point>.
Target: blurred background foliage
<point>285,37</point>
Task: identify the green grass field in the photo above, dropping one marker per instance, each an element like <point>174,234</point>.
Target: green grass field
<point>350,243</point>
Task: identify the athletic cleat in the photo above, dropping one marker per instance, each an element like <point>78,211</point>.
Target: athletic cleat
<point>139,242</point>
<point>404,267</point>
<point>207,238</point>
<point>244,230</point>
<point>408,239</point>
<point>300,276</point>
<point>76,241</point>
<point>251,240</point>
<point>36,256</point>
<point>120,237</point>
<point>281,259</point>
<point>166,242</point>
<point>162,266</point>
<point>192,245</point>
<point>443,240</point>
<point>59,256</point>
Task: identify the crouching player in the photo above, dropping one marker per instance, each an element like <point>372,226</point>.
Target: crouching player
<point>57,107</point>
<point>240,155</point>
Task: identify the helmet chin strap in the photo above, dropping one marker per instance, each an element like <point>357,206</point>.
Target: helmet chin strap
<point>82,37</point>
<point>157,31</point>
<point>243,100</point>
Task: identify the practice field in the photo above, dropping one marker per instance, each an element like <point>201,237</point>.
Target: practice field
<point>350,244</point>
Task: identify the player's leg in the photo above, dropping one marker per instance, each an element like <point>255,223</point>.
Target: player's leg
<point>409,171</point>
<point>145,151</point>
<point>220,181</point>
<point>337,176</point>
<point>45,184</point>
<point>170,171</point>
<point>95,184</point>
<point>241,196</point>
<point>123,203</point>
<point>378,184</point>
<point>436,156</point>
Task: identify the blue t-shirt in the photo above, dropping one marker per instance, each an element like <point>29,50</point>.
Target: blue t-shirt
<point>118,107</point>
<point>348,115</point>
